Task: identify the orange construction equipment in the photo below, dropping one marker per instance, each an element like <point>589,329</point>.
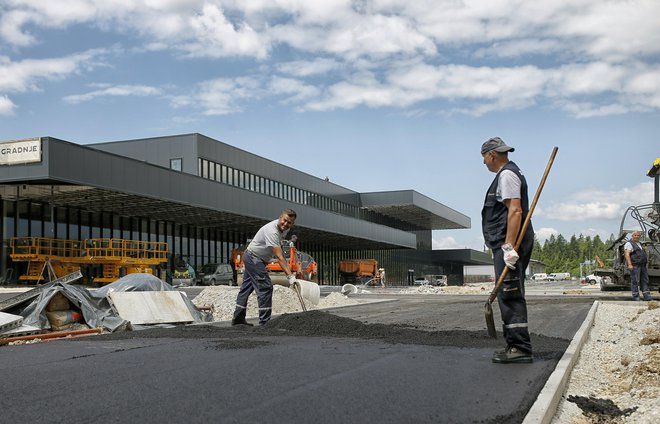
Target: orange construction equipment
<point>301,264</point>
<point>358,271</point>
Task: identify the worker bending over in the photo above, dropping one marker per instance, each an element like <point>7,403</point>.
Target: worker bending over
<point>265,246</point>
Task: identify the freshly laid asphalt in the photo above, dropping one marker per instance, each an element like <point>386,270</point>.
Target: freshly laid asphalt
<point>422,359</point>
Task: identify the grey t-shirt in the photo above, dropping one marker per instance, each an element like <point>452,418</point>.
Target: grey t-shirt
<point>508,186</point>
<point>267,237</point>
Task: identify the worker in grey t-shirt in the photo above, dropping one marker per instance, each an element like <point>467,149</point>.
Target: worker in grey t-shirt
<point>265,246</point>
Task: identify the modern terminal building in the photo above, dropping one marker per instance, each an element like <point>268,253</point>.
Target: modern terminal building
<point>204,198</point>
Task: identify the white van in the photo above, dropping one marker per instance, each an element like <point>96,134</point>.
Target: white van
<point>558,276</point>
<point>541,276</point>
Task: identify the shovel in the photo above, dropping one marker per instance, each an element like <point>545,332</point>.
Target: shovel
<point>296,288</point>
<point>490,323</point>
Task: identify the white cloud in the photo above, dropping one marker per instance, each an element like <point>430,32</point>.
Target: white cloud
<point>593,232</point>
<point>441,241</point>
<point>119,90</point>
<point>24,75</point>
<point>223,96</point>
<point>295,89</point>
<point>599,55</point>
<point>30,74</point>
<point>302,68</point>
<point>444,243</point>
<point>7,107</point>
<point>597,204</point>
<point>543,234</point>
<point>11,24</point>
<point>213,35</point>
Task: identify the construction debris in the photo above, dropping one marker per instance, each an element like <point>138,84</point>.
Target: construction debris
<point>24,297</point>
<point>65,307</point>
<point>285,300</point>
<point>9,321</point>
<point>151,307</point>
<point>476,288</point>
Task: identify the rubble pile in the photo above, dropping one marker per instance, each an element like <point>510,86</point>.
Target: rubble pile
<point>285,300</point>
<point>619,363</point>
<point>477,288</point>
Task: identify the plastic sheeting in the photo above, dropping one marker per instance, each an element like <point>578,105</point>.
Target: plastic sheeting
<point>94,305</point>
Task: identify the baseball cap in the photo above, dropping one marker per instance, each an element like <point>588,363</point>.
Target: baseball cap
<point>496,144</point>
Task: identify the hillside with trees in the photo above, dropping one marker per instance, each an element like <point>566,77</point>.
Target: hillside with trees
<point>560,255</point>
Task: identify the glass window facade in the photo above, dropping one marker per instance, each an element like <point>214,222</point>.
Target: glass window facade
<point>238,178</point>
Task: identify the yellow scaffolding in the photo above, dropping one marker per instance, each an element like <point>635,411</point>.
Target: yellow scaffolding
<point>116,256</point>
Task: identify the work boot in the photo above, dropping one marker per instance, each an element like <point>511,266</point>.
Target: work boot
<point>501,351</point>
<point>647,297</point>
<point>241,321</point>
<point>635,298</point>
<point>513,356</point>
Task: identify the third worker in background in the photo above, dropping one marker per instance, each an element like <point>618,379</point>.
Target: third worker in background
<point>637,261</point>
<point>505,209</point>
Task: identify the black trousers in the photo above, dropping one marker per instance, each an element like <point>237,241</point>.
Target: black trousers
<point>511,298</point>
<point>255,278</point>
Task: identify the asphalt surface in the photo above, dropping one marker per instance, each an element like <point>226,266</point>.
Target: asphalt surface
<point>413,358</point>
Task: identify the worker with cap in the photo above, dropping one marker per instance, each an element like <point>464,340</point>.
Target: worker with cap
<point>265,246</point>
<point>505,208</point>
<point>381,276</point>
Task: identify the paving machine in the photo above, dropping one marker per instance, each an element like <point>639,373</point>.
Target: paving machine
<point>643,218</point>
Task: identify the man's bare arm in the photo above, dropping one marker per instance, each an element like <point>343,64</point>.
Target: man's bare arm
<point>513,221</point>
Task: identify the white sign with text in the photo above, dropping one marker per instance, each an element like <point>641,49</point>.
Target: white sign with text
<point>20,151</point>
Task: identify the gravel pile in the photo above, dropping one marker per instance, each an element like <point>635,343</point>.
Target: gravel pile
<point>477,288</point>
<point>617,376</point>
<point>285,300</point>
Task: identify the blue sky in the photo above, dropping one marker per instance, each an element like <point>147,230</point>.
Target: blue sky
<point>375,95</point>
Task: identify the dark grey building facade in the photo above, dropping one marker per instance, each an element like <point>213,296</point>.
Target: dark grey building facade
<point>204,197</point>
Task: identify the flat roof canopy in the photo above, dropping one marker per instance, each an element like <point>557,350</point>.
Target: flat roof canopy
<point>414,210</point>
<point>98,200</point>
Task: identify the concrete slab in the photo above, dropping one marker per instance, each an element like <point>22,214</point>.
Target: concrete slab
<point>151,307</point>
<point>9,321</point>
<point>23,330</point>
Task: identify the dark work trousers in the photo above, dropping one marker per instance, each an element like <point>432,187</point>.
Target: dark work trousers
<point>255,278</point>
<point>511,300</point>
<point>639,279</point>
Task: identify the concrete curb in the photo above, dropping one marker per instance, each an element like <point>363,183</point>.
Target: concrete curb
<point>545,407</point>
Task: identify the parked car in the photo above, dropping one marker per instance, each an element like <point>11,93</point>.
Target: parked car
<point>213,274</point>
<point>541,276</point>
<point>592,279</point>
<point>420,281</point>
<point>438,280</point>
